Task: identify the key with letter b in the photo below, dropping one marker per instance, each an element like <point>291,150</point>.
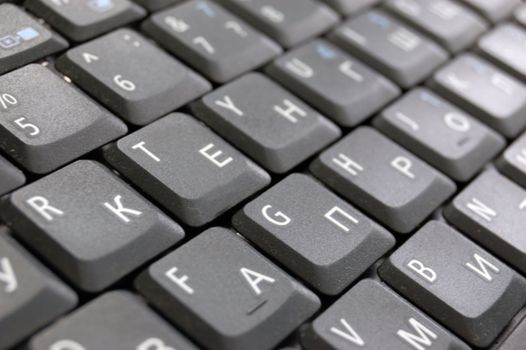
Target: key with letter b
<point>225,294</point>
<point>456,282</point>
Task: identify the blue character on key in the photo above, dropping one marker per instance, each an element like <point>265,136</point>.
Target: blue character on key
<point>206,9</point>
<point>24,34</point>
<point>326,52</point>
<point>379,20</point>
<point>101,5</point>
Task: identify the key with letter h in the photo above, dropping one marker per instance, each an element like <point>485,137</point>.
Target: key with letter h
<point>89,224</point>
<point>456,282</point>
<point>225,294</point>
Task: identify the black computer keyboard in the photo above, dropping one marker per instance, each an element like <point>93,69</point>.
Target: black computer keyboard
<point>263,174</point>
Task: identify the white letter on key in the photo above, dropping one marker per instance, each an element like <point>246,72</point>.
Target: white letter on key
<point>119,209</point>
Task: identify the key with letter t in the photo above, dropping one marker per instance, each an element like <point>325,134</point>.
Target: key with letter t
<point>89,224</point>
<point>456,282</point>
<point>225,294</point>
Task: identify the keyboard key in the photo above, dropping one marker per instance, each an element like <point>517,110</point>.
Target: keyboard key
<point>512,162</point>
<point>187,168</point>
<point>155,5</point>
<point>313,233</point>
<point>89,224</point>
<point>441,134</point>
<point>448,23</point>
<point>484,91</point>
<point>505,47</point>
<point>83,20</point>
<point>466,289</point>
<point>225,294</point>
<point>390,47</point>
<point>47,122</point>
<point>30,296</point>
<point>494,11</point>
<point>116,320</point>
<point>340,86</point>
<point>517,338</point>
<point>23,39</point>
<point>350,7</point>
<point>212,40</point>
<point>520,14</point>
<point>135,91</point>
<point>492,211</point>
<point>266,121</point>
<point>11,176</point>
<point>382,178</point>
<point>371,316</point>
<point>287,22</point>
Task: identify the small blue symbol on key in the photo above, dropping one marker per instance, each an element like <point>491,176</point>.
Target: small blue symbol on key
<point>101,5</point>
<point>27,34</point>
<point>205,8</point>
<point>326,52</point>
<point>24,34</point>
<point>379,20</point>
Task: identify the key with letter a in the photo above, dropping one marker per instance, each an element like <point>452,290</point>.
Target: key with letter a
<point>314,233</point>
<point>135,91</point>
<point>89,224</point>
<point>30,295</point>
<point>190,170</point>
<point>492,211</point>
<point>225,294</point>
<point>456,282</point>
<point>382,178</point>
<point>116,320</point>
<point>372,316</point>
<point>46,122</point>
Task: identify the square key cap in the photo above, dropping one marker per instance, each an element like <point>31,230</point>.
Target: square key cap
<point>23,39</point>
<point>339,85</point>
<point>212,40</point>
<point>512,162</point>
<point>150,84</point>
<point>287,22</point>
<point>456,282</point>
<point>46,122</point>
<point>452,25</point>
<point>86,19</point>
<point>372,316</point>
<point>116,320</point>
<point>266,121</point>
<point>311,231</point>
<point>441,134</point>
<point>30,295</point>
<point>483,90</point>
<point>382,178</point>
<point>225,294</point>
<point>492,211</point>
<point>390,47</point>
<point>89,224</point>
<point>190,170</point>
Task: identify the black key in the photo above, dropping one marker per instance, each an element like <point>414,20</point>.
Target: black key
<point>350,7</point>
<point>154,5</point>
<point>150,84</point>
<point>340,86</point>
<point>83,20</point>
<point>212,40</point>
<point>484,91</point>
<point>505,46</point>
<point>117,320</point>
<point>30,296</point>
<point>382,178</point>
<point>371,316</point>
<point>11,177</point>
<point>187,168</point>
<point>225,294</point>
<point>47,122</point>
<point>266,121</point>
<point>389,46</point>
<point>24,40</point>
<point>453,26</point>
<point>512,162</point>
<point>89,224</point>
<point>456,282</point>
<point>287,22</point>
<point>492,211</point>
<point>516,338</point>
<point>441,134</point>
<point>314,233</point>
<point>495,11</point>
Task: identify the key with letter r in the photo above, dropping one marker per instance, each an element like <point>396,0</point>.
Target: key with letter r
<point>456,282</point>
